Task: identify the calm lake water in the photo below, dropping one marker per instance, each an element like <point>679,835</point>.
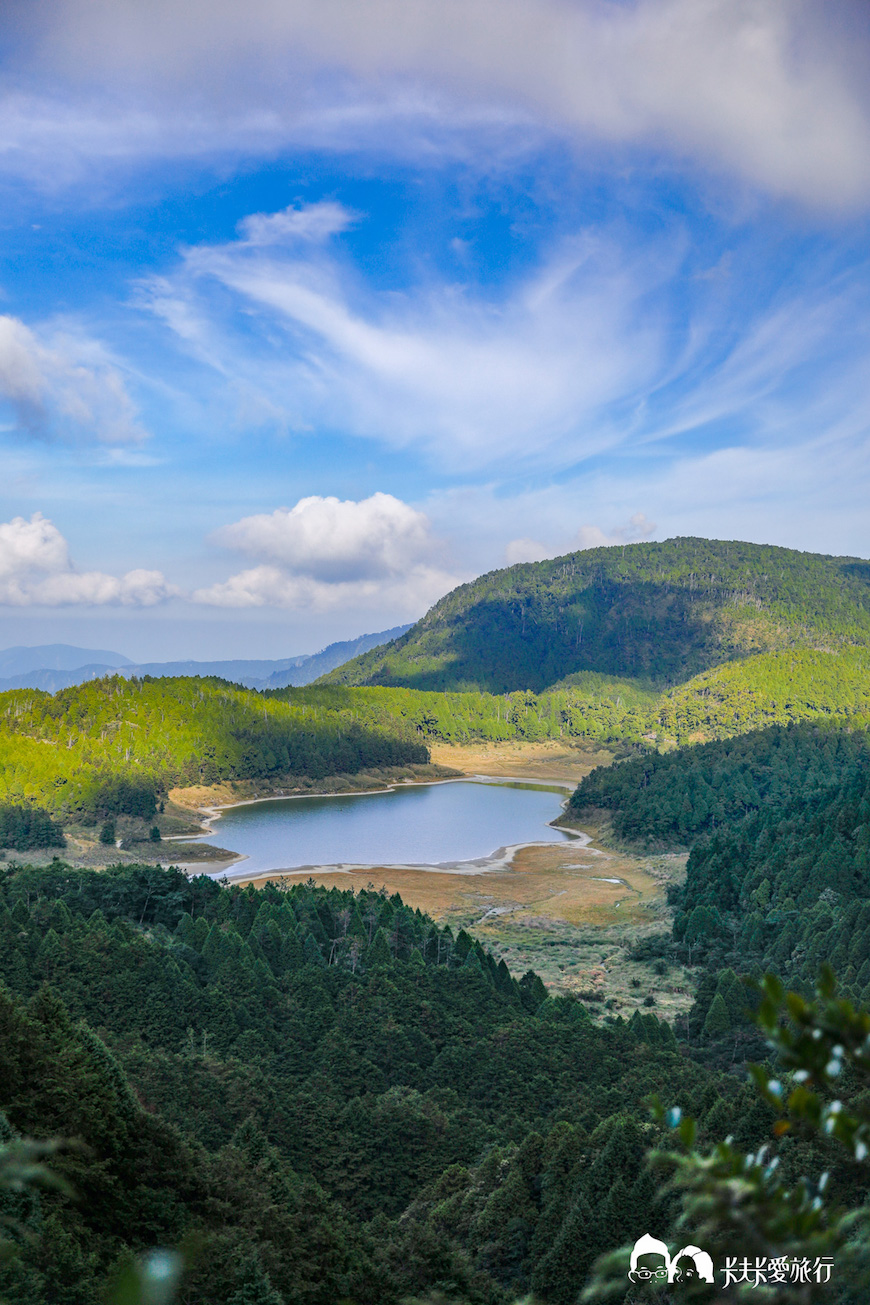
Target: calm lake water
<point>420,824</point>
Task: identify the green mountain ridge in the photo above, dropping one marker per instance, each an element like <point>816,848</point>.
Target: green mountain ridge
<point>115,746</point>
<point>657,613</point>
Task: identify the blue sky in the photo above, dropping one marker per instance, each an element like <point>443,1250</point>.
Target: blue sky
<point>309,312</point>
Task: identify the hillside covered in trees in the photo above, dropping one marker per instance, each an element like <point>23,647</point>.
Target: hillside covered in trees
<point>654,613</point>
<point>767,689</point>
<point>326,1097</point>
<point>778,877</point>
<point>112,746</point>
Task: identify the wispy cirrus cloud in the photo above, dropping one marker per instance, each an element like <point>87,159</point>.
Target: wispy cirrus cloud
<point>471,379</point>
<point>586,353</point>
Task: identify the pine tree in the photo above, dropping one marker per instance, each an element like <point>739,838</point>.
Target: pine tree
<point>558,1278</point>
<point>185,931</point>
<point>255,1288</point>
<point>378,952</point>
<point>463,945</point>
<point>718,1021</point>
<point>311,953</point>
<point>532,991</point>
<point>50,953</point>
<point>472,963</point>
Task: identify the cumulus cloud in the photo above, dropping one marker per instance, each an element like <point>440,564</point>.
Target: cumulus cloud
<point>768,89</point>
<point>64,386</point>
<point>325,553</point>
<point>334,540</point>
<point>36,570</point>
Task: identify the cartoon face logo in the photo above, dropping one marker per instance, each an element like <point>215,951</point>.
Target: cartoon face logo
<point>651,1262</point>
<point>691,1264</point>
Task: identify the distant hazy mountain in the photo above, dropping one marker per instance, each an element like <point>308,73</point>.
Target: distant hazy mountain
<point>51,680</point>
<point>59,666</point>
<point>56,657</point>
<point>336,654</point>
<point>251,672</point>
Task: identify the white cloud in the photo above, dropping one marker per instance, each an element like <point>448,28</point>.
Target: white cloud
<point>64,385</point>
<point>307,222</point>
<point>634,530</point>
<point>769,89</point>
<point>471,380</point>
<point>526,550</point>
<point>326,553</point>
<point>333,540</point>
<point>408,595</point>
<point>36,570</point>
<point>638,527</point>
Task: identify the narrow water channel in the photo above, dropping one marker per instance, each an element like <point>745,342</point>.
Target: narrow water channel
<point>420,824</point>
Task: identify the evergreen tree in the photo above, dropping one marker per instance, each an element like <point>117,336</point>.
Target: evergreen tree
<point>718,1021</point>
<point>311,953</point>
<point>379,950</point>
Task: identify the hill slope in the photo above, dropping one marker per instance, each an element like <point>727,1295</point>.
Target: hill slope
<point>114,740</point>
<point>658,613</point>
<point>323,1090</point>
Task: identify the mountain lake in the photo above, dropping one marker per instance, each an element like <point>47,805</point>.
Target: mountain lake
<point>442,824</point>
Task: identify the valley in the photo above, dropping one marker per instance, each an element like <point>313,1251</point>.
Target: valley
<point>383,1072</point>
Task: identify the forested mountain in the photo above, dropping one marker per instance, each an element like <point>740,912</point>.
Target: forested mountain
<point>778,877</point>
<point>97,748</point>
<point>326,1096</point>
<point>767,689</point>
<point>655,613</point>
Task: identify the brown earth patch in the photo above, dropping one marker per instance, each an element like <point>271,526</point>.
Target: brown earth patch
<point>552,759</point>
<point>197,797</point>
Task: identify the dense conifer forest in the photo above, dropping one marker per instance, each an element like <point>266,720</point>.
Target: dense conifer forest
<point>112,746</point>
<point>324,1091</point>
<point>647,644</point>
<point>317,1096</point>
<point>778,822</point>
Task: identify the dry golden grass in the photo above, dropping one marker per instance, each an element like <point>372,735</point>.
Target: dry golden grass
<point>199,797</point>
<point>542,885</point>
<point>553,759</point>
<point>552,911</point>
